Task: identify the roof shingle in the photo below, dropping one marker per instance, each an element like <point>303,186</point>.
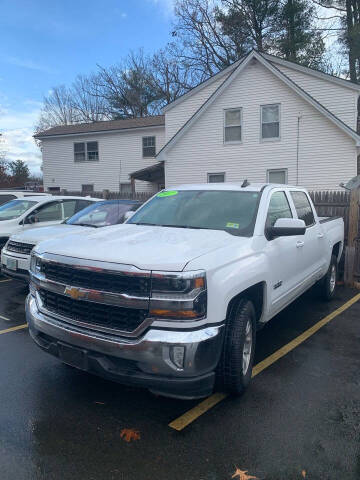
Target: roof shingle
<point>104,126</point>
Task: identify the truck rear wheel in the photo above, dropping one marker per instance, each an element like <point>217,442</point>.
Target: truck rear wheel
<point>236,362</point>
<point>328,283</point>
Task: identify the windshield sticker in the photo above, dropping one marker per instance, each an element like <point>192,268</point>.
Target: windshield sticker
<point>168,193</point>
<point>232,225</point>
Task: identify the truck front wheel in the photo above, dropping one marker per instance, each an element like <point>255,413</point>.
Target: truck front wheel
<point>236,362</point>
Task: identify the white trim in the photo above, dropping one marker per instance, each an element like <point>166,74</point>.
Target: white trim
<point>272,170</point>
<point>270,139</point>
<point>234,142</point>
<point>255,55</point>
<point>309,71</point>
<point>216,173</point>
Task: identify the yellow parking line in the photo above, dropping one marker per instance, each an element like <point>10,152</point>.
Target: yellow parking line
<point>188,417</point>
<point>6,280</point>
<point>13,329</point>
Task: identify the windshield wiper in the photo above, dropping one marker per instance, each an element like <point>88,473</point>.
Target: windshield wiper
<point>186,226</point>
<point>144,223</point>
<point>84,225</point>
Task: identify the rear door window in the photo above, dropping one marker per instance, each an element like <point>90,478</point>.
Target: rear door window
<point>303,208</point>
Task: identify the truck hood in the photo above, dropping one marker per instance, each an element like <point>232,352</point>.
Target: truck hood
<point>146,247</point>
<point>36,235</point>
<point>7,227</point>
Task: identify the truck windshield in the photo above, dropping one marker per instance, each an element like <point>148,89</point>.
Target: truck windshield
<point>232,211</point>
<point>14,209</point>
<point>102,214</point>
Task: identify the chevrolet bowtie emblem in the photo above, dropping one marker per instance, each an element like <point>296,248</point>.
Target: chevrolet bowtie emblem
<point>75,293</point>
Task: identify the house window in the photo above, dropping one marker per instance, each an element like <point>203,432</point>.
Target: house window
<point>216,177</point>
<point>270,122</point>
<point>277,176</point>
<point>88,188</point>
<point>86,151</point>
<point>125,188</point>
<point>232,125</point>
<point>149,147</point>
<point>303,208</point>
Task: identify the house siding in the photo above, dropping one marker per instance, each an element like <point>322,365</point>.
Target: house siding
<point>326,155</point>
<point>120,153</point>
<point>177,116</point>
<point>341,101</point>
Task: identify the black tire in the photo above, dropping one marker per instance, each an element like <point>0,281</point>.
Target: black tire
<point>230,376</point>
<point>328,283</point>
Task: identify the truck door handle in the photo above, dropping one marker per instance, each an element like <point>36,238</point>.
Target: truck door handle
<point>299,244</point>
<point>320,235</point>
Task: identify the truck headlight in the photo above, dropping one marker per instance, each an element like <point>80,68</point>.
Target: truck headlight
<point>181,296</point>
<point>35,264</point>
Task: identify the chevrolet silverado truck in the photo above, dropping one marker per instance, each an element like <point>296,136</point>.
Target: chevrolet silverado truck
<point>172,299</point>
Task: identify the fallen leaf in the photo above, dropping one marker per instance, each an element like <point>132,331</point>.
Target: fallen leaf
<point>303,473</point>
<point>242,475</point>
<point>130,435</point>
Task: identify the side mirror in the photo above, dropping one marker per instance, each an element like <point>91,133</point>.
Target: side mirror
<point>128,215</point>
<point>286,227</point>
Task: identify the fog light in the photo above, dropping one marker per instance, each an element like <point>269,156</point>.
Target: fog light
<point>177,355</point>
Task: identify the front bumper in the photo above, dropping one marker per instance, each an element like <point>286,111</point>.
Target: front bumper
<point>145,361</point>
<point>23,265</point>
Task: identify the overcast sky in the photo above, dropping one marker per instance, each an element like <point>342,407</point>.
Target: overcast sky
<point>46,43</point>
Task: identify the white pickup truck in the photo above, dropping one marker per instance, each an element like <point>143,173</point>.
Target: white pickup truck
<point>172,299</point>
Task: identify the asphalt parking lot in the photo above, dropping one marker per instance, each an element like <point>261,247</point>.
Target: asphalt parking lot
<point>299,419</point>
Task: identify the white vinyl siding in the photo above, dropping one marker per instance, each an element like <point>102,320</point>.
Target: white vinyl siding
<point>176,117</point>
<point>340,100</point>
<point>120,154</point>
<point>326,155</point>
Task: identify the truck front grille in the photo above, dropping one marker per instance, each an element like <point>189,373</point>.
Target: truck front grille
<point>93,314</point>
<point>114,282</point>
<point>18,247</point>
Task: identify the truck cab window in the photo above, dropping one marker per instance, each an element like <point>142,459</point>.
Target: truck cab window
<point>278,208</point>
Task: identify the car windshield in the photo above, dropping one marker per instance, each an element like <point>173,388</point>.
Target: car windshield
<point>102,214</point>
<point>232,211</point>
<point>15,208</point>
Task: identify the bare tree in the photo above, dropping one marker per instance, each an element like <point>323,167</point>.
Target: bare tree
<point>57,109</point>
<point>170,76</point>
<point>204,47</point>
<point>348,31</point>
<point>87,101</point>
<point>250,23</point>
<point>128,87</point>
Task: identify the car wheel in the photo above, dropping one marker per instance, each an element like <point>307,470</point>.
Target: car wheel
<point>328,284</point>
<point>236,362</point>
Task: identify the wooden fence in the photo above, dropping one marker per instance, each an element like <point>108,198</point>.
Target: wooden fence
<point>107,195</point>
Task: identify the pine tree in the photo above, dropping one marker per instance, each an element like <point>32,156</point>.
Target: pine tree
<point>298,40</point>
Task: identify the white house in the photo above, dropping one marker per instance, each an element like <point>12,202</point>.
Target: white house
<point>262,118</point>
<point>101,155</point>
